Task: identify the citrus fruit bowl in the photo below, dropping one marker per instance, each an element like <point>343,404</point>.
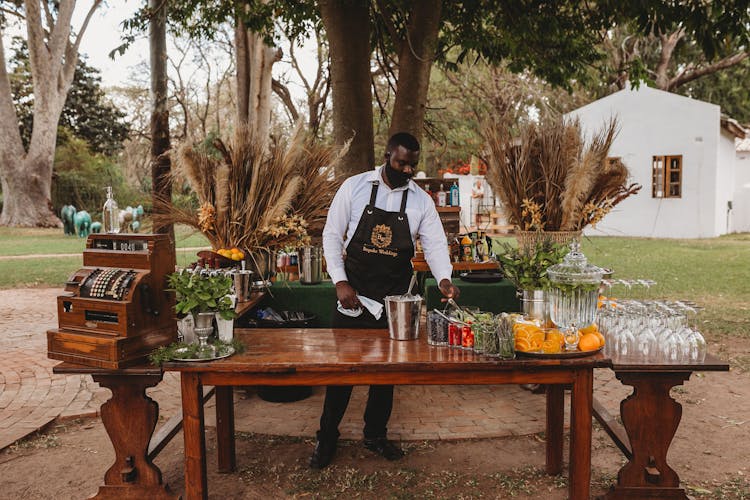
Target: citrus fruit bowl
<point>532,340</point>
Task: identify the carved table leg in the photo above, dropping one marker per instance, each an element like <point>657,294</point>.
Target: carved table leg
<point>130,419</point>
<point>581,401</point>
<point>225,428</point>
<point>651,418</point>
<point>555,427</point>
<point>193,429</point>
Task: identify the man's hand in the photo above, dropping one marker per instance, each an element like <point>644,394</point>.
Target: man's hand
<point>449,290</point>
<point>346,295</point>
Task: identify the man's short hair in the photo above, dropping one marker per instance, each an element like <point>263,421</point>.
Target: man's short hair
<point>404,139</point>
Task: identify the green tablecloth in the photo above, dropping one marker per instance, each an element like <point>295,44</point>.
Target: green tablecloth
<point>495,297</point>
<point>317,299</point>
<point>320,299</point>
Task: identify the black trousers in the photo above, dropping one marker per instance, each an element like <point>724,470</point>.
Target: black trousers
<point>379,399</point>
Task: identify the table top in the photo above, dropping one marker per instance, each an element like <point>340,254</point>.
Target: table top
<point>287,350</point>
<point>628,364</point>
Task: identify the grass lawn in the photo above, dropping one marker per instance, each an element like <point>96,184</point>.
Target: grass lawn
<point>54,271</point>
<point>714,272</point>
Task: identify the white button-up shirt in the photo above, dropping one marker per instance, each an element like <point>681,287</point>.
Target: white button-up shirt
<point>351,200</point>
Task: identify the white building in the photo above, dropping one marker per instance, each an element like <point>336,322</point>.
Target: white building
<point>682,152</point>
<point>740,216</point>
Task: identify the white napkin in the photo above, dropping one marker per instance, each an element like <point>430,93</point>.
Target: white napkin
<point>375,307</point>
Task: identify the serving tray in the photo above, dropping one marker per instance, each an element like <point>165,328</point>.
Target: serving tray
<point>559,355</point>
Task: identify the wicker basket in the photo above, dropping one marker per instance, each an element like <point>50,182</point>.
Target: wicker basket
<point>527,240</point>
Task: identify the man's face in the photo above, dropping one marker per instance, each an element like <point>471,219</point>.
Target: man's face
<point>403,160</point>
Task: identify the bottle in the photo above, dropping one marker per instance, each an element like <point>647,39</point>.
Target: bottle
<point>429,193</point>
<point>482,248</point>
<point>466,250</point>
<point>110,214</point>
<point>442,197</point>
<point>454,196</point>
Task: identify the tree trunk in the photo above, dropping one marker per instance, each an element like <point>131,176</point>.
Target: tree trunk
<point>243,72</point>
<point>255,60</point>
<point>262,59</point>
<point>415,59</point>
<point>27,176</point>
<point>160,161</point>
<point>347,25</point>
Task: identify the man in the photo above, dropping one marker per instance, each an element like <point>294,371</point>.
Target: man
<point>374,219</point>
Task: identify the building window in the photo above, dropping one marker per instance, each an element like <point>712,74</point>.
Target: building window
<point>667,176</point>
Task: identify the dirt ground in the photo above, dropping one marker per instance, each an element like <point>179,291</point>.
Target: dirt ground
<point>710,452</point>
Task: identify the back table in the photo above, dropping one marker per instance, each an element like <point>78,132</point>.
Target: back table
<point>364,357</point>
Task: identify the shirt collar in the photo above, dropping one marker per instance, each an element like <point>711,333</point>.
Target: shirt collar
<point>376,175</point>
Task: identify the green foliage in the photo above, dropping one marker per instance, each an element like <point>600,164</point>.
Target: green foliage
<point>527,268</point>
<point>727,88</point>
<point>86,114</point>
<point>181,350</point>
<point>80,177</point>
<point>202,293</point>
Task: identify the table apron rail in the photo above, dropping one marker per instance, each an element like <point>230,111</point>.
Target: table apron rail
<point>392,378</point>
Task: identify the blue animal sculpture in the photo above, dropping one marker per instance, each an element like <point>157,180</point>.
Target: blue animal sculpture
<point>82,221</point>
<point>66,214</point>
<point>96,227</point>
<point>130,219</point>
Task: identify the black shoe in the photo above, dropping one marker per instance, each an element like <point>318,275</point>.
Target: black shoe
<point>323,454</point>
<point>384,448</point>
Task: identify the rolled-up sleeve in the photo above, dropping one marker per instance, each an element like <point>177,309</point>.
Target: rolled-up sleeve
<point>435,244</point>
<point>334,232</point>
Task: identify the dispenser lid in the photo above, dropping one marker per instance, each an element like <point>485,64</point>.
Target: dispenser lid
<point>575,269</point>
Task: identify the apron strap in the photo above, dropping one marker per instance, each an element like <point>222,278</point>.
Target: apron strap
<point>374,193</point>
<point>403,201</point>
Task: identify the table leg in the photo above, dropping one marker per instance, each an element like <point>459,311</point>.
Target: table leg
<point>225,428</point>
<point>130,419</point>
<point>651,418</point>
<point>581,400</point>
<point>193,426</point>
<point>555,427</point>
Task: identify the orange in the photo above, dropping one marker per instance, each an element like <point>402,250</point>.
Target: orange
<point>551,347</point>
<point>588,342</point>
<point>523,345</point>
<point>589,329</point>
<point>601,339</point>
<point>556,335</point>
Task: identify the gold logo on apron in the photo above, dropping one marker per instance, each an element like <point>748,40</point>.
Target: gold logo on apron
<point>381,236</point>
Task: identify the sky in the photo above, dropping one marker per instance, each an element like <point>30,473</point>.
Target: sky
<point>104,34</point>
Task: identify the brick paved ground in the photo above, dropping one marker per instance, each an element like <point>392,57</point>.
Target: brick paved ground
<point>31,396</point>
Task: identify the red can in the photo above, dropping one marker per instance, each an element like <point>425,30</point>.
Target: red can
<point>467,337</point>
<point>454,335</point>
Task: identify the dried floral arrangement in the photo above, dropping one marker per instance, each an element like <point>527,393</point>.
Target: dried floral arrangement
<point>254,195</point>
<point>550,179</point>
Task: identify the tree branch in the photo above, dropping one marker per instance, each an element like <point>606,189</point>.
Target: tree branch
<point>386,14</point>
<point>282,91</point>
<point>690,75</point>
<point>668,44</point>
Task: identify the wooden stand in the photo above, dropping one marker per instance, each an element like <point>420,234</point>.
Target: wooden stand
<point>647,474</point>
<point>133,475</point>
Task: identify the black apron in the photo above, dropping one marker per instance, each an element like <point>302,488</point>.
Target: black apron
<point>378,257</point>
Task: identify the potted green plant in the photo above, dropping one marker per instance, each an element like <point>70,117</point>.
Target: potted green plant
<point>202,295</point>
<point>527,267</point>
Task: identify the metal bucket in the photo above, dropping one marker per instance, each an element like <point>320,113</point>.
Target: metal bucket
<point>310,260</point>
<point>262,263</point>
<point>403,313</point>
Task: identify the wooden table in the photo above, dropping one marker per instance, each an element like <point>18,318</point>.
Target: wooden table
<point>364,357</point>
<point>650,420</point>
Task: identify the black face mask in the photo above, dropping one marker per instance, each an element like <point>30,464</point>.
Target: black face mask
<point>396,178</point>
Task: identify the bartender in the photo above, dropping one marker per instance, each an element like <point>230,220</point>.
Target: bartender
<point>368,241</point>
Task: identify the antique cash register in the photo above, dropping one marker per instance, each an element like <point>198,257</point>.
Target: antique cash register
<point>116,309</point>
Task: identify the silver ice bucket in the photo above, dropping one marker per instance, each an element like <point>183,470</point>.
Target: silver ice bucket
<point>310,261</point>
<point>403,313</point>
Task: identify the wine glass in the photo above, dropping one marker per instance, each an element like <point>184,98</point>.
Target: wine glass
<point>205,350</point>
